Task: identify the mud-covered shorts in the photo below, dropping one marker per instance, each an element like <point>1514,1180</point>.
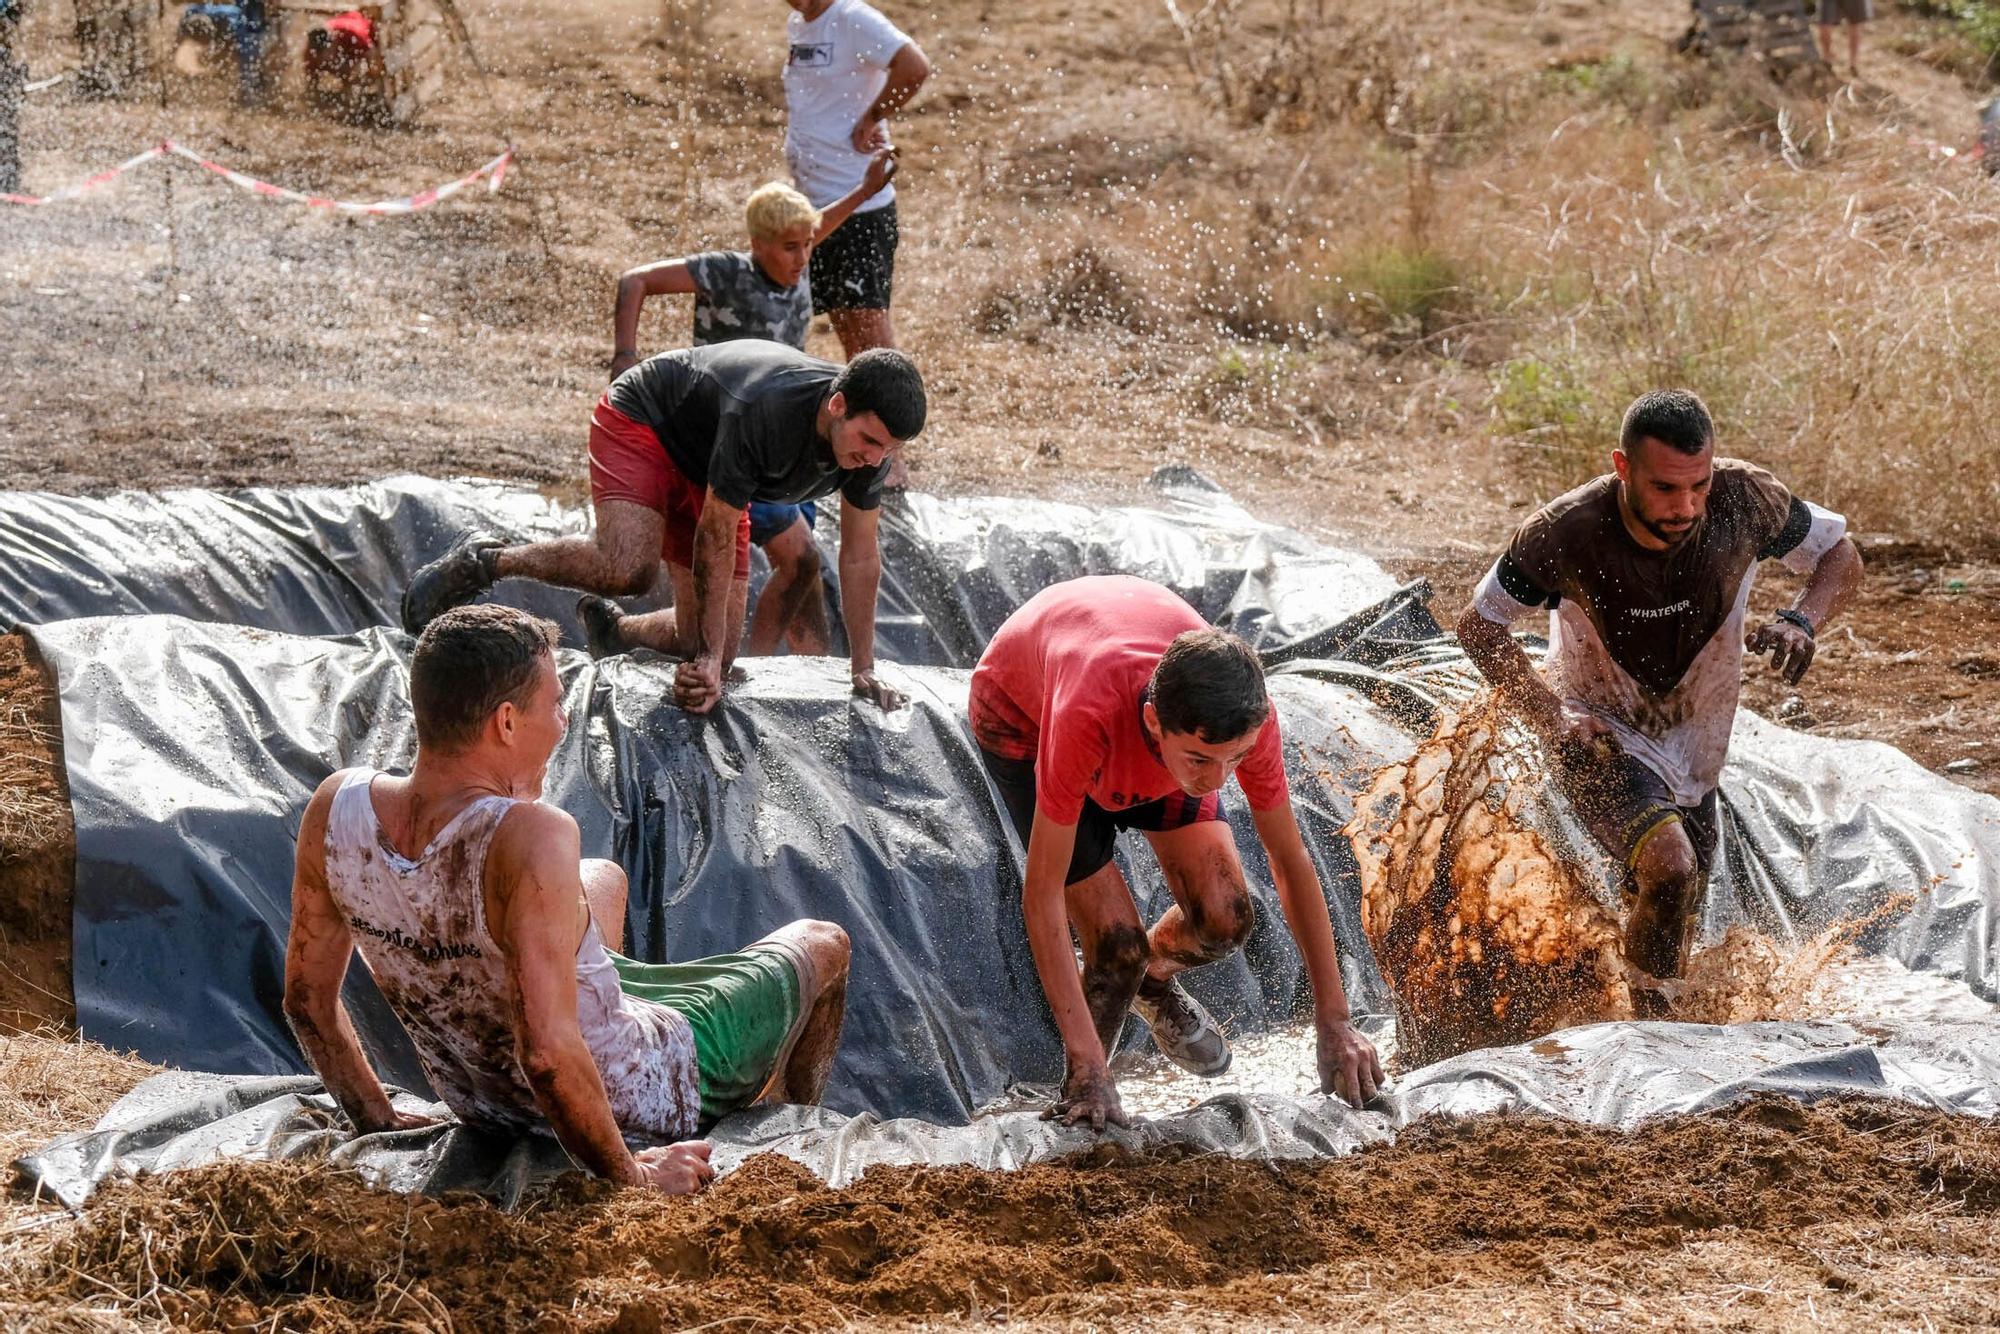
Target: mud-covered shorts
<point>1096,829</point>
<point>1623,804</point>
<point>745,1009</point>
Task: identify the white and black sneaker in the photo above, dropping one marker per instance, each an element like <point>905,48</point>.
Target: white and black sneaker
<point>1183,1029</point>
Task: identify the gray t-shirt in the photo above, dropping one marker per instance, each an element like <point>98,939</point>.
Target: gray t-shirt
<point>733,298</point>
<point>742,418</point>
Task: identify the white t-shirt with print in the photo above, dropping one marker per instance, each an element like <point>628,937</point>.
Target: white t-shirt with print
<point>835,68</point>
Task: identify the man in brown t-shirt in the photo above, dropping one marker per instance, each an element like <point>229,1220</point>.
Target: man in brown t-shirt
<point>1647,575</point>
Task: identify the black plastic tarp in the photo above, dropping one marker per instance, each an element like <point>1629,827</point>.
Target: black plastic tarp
<point>191,745</point>
<point>335,560</point>
<point>1614,1075</point>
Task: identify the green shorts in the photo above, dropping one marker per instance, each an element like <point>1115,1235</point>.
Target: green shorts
<point>744,1009</point>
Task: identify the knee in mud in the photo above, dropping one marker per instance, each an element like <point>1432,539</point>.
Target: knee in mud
<point>1221,929</point>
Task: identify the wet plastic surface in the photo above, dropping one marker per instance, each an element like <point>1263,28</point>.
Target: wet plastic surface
<point>192,746</point>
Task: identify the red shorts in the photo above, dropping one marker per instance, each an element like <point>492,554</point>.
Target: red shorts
<point>628,463</point>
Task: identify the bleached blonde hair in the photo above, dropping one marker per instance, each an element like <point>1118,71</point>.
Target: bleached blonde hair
<point>777,208</point>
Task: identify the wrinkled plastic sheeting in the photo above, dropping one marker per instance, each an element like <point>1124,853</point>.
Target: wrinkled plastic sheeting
<point>1821,831</point>
<point>192,749</point>
<point>335,560</point>
<point>962,566</point>
<point>1612,1075</point>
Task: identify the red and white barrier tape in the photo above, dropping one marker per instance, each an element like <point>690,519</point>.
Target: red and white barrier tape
<point>493,173</point>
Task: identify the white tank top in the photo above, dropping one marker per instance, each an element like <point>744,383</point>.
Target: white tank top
<point>421,929</point>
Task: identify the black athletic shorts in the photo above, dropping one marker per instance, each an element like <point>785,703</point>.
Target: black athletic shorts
<point>854,268</point>
<point>1623,803</point>
<point>1096,829</point>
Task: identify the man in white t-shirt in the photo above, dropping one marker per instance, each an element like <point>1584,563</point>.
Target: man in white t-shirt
<point>847,70</point>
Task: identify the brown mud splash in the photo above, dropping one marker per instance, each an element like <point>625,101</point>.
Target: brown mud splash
<point>1486,934</point>
<point>1490,935</point>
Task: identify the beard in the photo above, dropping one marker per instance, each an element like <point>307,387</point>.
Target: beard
<point>1672,536</point>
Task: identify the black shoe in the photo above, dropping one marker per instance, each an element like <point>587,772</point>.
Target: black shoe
<point>600,617</point>
<point>452,580</point>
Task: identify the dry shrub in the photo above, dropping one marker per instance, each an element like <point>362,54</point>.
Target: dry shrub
<point>1838,320</point>
<point>1081,289</point>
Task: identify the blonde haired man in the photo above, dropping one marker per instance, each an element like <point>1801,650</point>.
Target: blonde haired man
<point>764,292</point>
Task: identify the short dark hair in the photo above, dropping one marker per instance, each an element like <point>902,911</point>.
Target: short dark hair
<point>469,662</point>
<point>1674,417</point>
<point>885,382</point>
<point>1210,683</point>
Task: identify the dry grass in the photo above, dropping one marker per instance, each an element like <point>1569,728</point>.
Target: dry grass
<point>32,813</point>
<point>1523,239</point>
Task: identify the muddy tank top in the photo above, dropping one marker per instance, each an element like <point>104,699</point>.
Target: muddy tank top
<point>421,929</point>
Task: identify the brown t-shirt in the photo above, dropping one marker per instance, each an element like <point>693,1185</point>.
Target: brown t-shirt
<point>1654,610</point>
<point>1652,641</point>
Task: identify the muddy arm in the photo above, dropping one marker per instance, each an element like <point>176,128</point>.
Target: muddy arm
<point>316,954</point>
<point>1492,649</point>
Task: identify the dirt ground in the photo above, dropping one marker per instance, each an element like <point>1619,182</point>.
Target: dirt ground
<point>1855,1214</point>
<point>171,332</point>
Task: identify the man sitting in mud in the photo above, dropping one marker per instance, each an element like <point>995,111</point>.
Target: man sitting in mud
<point>680,446</point>
<point>491,939</point>
<point>1648,571</point>
<point>1104,704</point>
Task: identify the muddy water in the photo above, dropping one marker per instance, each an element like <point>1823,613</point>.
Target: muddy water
<point>1740,979</point>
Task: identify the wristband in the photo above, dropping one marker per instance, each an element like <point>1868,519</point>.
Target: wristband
<point>1801,620</point>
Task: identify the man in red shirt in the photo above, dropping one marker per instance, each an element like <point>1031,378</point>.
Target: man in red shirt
<point>1107,703</point>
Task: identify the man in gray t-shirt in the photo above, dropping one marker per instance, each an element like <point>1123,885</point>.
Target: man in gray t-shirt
<point>763,292</point>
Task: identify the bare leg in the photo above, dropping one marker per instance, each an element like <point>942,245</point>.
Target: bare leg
<point>793,585</point>
<point>1107,927</point>
<point>661,630</point>
<point>807,631</point>
<point>1212,913</point>
<point>619,558</point>
<point>1826,43</point>
<point>860,330</point>
<point>1667,900</point>
<point>1854,49</point>
<point>606,890</point>
<point>803,1079</point>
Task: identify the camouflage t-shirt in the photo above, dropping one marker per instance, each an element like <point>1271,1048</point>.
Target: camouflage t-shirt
<point>734,299</point>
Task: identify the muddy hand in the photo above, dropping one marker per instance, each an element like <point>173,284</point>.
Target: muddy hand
<point>1088,1099</point>
<point>878,692</point>
<point>698,684</point>
<point>396,1120</point>
<point>1348,1064</point>
<point>1791,648</point>
<point>678,1169</point>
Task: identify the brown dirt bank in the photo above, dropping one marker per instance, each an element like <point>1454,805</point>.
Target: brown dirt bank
<point>37,847</point>
<point>1872,1201</point>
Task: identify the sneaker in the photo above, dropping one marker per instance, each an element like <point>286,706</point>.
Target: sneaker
<point>600,617</point>
<point>1183,1030</point>
<point>452,580</point>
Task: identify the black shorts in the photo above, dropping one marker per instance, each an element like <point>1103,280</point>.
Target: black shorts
<point>855,268</point>
<point>1096,829</point>
<point>1623,803</point>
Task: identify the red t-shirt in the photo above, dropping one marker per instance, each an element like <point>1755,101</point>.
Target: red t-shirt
<point>1063,683</point>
